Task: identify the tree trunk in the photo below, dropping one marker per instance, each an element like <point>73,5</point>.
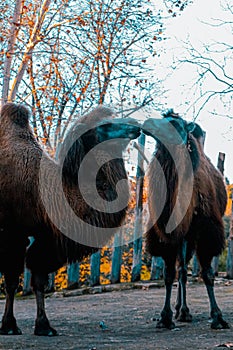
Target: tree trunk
<point>15,24</point>
<point>33,40</point>
<point>137,252</point>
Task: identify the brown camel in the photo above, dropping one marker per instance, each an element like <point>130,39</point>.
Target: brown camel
<point>193,197</point>
<point>46,199</point>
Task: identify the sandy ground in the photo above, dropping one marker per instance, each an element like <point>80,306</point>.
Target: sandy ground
<point>126,316</point>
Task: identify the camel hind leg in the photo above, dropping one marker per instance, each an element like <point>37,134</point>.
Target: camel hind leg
<point>211,243</point>
<point>217,319</point>
<point>42,325</point>
<point>42,258</point>
<point>182,310</point>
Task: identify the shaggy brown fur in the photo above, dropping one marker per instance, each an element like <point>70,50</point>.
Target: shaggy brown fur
<point>208,199</point>
<point>201,228</point>
<point>22,210</point>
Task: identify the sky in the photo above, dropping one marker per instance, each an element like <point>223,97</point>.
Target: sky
<point>219,129</point>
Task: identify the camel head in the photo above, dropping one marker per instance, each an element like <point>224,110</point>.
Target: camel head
<point>125,129</point>
<point>199,134</point>
<point>172,129</point>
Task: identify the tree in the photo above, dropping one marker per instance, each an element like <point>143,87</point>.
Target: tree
<point>62,57</point>
<point>211,62</point>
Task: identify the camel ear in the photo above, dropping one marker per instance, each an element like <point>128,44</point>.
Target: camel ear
<point>198,132</point>
<point>190,127</point>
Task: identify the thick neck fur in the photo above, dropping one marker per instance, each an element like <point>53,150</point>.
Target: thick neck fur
<point>177,165</point>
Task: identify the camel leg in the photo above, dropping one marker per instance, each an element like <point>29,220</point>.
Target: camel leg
<point>9,325</point>
<point>165,320</point>
<point>208,276</point>
<point>182,310</point>
<point>42,326</point>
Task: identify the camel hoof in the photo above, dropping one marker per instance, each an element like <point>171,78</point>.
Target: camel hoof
<point>49,332</point>
<point>219,323</point>
<point>165,324</point>
<point>10,331</point>
<point>184,316</point>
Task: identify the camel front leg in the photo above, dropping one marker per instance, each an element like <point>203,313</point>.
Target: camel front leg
<point>42,325</point>
<point>165,320</point>
<point>9,325</point>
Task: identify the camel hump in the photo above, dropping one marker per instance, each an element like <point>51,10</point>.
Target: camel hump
<point>17,113</point>
<point>98,114</point>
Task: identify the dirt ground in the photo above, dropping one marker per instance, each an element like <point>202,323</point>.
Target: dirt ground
<point>126,317</point>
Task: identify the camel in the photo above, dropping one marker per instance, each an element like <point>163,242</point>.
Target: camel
<point>45,199</point>
<point>187,200</point>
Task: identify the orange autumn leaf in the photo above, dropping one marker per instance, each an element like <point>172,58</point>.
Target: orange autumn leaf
<point>229,189</point>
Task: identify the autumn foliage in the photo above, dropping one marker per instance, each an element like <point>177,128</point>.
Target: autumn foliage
<point>230,200</point>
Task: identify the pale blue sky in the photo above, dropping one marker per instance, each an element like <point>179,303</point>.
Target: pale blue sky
<point>189,23</point>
